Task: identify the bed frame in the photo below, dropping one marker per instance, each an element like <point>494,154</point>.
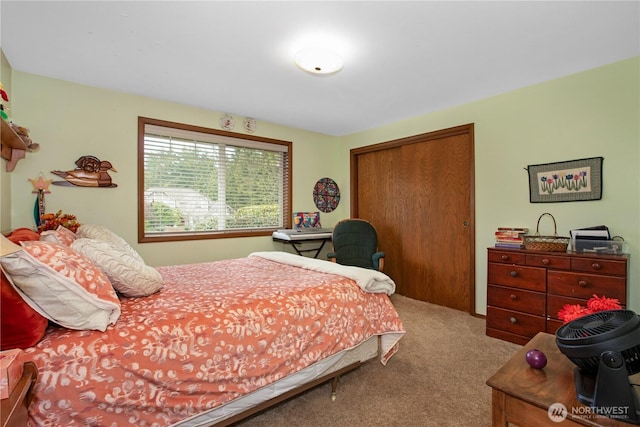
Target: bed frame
<point>333,377</point>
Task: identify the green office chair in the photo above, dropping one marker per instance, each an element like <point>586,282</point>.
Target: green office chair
<point>355,243</point>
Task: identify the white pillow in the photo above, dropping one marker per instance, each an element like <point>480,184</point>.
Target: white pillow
<point>63,285</point>
<point>127,274</point>
<point>99,232</point>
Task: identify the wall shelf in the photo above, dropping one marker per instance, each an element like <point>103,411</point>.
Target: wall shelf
<point>13,148</point>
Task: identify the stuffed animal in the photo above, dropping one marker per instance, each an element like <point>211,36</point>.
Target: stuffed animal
<point>23,133</point>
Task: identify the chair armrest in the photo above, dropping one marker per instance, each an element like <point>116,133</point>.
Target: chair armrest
<point>378,260</point>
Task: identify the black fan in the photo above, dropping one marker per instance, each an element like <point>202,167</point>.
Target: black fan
<point>605,347</point>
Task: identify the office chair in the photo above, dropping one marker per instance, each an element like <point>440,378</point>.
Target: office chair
<point>355,243</point>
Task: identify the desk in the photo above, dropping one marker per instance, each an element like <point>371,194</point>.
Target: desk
<point>522,395</point>
<point>297,238</point>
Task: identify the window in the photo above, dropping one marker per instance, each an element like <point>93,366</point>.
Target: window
<point>199,183</point>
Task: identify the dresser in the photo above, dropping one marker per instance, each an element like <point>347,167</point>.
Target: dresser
<point>526,289</point>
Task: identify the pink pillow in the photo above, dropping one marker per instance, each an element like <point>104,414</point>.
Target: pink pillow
<point>22,234</point>
<point>61,235</point>
<point>63,285</point>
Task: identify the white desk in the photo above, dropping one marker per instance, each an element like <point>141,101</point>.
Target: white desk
<point>297,237</point>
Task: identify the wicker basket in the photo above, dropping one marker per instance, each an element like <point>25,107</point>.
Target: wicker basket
<point>553,243</point>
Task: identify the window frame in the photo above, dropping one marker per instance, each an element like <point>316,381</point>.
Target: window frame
<point>186,236</point>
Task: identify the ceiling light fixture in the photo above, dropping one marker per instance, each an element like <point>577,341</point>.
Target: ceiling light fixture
<point>318,60</point>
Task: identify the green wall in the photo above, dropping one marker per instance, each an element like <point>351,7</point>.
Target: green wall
<point>5,177</point>
<point>594,113</point>
<point>590,114</point>
<point>71,120</point>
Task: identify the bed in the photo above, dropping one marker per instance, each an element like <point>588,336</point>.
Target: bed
<point>215,343</point>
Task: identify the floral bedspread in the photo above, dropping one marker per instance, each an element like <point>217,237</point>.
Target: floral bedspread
<point>215,332</point>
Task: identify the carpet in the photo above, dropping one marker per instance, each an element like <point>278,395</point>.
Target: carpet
<point>437,378</point>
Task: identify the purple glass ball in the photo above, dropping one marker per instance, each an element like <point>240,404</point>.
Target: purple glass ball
<point>536,359</point>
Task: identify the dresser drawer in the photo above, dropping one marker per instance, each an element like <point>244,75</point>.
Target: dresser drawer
<point>556,302</point>
<point>600,266</point>
<point>582,285</point>
<point>514,321</point>
<point>516,299</point>
<point>553,326</point>
<point>517,276</point>
<point>509,257</point>
<point>548,261</point>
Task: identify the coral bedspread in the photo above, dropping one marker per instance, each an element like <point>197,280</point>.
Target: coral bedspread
<point>215,332</point>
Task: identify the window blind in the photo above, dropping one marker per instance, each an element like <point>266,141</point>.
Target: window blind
<point>202,183</point>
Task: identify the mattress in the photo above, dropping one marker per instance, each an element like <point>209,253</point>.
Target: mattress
<point>217,338</point>
<point>363,352</point>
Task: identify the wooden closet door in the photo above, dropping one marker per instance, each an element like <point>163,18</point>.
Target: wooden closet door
<point>418,193</point>
<point>379,200</point>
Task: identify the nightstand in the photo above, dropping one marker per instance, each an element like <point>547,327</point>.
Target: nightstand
<point>13,411</point>
<point>522,395</point>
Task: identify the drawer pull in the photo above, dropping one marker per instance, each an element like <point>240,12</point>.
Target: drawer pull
<point>546,261</point>
<point>583,283</point>
<point>596,266</point>
<point>514,273</point>
<point>505,257</point>
<point>513,320</point>
<point>513,296</point>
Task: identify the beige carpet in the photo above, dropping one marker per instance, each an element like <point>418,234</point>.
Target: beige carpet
<point>437,378</point>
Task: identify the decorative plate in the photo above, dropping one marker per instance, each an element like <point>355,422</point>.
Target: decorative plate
<point>226,122</point>
<point>249,124</point>
<point>326,195</point>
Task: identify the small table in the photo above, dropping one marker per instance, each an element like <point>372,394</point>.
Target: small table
<point>296,238</point>
<point>14,409</point>
<point>522,395</point>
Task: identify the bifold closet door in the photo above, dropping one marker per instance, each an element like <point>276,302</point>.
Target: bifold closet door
<point>418,192</point>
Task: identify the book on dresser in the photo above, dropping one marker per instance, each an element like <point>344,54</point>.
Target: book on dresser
<point>526,289</point>
<point>510,237</point>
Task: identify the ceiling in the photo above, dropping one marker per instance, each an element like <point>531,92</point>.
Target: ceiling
<point>401,59</point>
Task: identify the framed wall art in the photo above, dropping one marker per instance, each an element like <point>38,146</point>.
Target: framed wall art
<point>569,181</point>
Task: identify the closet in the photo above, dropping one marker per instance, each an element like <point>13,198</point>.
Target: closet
<point>419,193</point>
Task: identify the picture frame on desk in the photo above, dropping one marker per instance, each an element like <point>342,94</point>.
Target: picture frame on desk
<point>568,181</point>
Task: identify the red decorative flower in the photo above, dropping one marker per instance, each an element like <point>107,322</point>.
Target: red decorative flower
<point>595,304</point>
<point>51,221</point>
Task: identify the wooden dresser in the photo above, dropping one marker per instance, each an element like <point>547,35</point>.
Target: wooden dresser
<point>526,289</point>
